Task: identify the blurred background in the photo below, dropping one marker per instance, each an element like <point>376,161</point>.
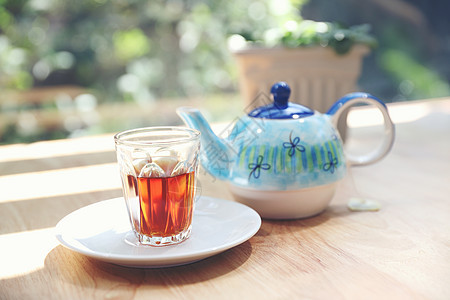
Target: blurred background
<point>72,68</point>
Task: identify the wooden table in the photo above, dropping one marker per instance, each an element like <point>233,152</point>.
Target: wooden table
<point>399,252</point>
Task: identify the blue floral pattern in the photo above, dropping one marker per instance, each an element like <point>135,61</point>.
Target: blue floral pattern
<point>293,145</point>
<point>256,167</point>
<point>331,164</point>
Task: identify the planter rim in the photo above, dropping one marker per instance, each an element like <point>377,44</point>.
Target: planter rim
<point>251,50</point>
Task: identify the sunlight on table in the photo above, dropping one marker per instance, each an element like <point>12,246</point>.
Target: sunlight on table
<point>25,252</point>
<point>60,182</point>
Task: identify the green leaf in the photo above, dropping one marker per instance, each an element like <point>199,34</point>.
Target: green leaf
<point>131,44</point>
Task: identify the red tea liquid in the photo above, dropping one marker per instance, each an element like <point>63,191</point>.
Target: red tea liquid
<point>166,204</point>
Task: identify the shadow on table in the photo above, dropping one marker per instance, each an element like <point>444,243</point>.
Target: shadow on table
<point>80,270</point>
<point>47,211</point>
<point>56,162</point>
<point>270,226</point>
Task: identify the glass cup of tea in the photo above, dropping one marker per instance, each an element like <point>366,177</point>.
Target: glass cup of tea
<point>158,167</point>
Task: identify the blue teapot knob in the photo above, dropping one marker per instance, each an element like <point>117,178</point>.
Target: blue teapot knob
<point>281,92</point>
<point>281,108</point>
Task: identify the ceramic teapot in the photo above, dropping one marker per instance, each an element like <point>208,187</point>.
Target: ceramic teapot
<point>284,159</point>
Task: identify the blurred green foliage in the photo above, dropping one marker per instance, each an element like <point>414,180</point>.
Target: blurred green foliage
<point>139,50</point>
<point>414,78</point>
<point>411,60</point>
<point>306,33</point>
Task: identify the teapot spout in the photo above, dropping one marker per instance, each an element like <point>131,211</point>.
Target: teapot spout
<point>215,156</point>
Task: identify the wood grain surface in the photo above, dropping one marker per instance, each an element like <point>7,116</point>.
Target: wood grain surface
<point>401,251</point>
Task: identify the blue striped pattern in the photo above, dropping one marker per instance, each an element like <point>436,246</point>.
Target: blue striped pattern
<point>313,158</point>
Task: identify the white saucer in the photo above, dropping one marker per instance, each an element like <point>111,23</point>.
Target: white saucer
<point>100,231</point>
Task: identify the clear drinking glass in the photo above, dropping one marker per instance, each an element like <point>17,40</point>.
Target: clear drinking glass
<point>158,167</point>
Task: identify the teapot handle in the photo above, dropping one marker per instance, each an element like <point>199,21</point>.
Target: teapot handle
<point>389,130</point>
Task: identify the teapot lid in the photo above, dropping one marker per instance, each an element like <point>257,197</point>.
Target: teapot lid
<point>281,108</point>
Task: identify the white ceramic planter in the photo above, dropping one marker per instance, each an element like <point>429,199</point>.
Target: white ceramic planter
<point>317,75</point>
